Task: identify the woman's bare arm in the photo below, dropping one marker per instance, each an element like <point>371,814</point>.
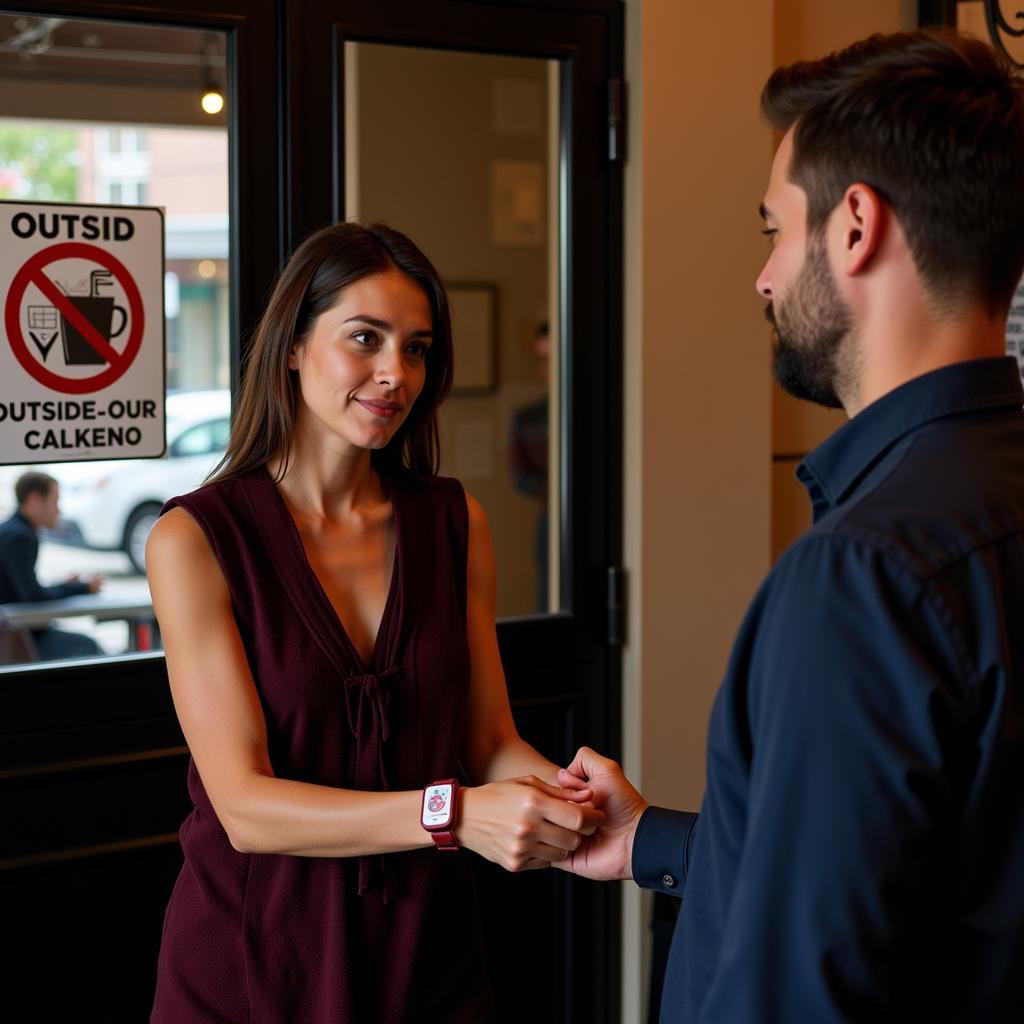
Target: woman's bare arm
<point>221,717</point>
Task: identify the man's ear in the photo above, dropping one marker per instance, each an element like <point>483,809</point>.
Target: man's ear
<point>860,220</point>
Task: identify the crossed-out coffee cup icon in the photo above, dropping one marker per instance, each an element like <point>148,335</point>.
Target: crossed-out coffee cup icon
<point>99,310</point>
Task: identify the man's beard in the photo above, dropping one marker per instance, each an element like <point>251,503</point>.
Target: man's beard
<point>809,359</point>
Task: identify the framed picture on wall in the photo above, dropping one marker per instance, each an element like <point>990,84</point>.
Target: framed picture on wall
<point>475,332</point>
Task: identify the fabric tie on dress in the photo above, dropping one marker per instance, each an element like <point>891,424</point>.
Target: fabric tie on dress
<point>367,701</point>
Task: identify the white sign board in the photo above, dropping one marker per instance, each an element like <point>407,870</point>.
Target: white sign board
<point>82,332</point>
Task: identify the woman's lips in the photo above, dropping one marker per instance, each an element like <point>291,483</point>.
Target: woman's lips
<point>380,407</point>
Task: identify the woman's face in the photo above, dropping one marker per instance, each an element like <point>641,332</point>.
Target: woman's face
<point>363,364</point>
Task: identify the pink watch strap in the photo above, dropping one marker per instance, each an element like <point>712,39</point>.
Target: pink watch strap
<point>445,840</point>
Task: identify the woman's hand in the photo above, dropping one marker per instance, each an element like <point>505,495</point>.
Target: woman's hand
<point>525,823</point>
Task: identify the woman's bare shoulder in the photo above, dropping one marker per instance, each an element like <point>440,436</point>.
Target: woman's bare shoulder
<point>477,515</point>
<point>177,545</point>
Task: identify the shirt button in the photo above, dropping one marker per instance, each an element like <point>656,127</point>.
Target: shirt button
<point>668,881</point>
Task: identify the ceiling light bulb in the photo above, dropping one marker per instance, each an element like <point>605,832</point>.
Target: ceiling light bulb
<point>212,101</point>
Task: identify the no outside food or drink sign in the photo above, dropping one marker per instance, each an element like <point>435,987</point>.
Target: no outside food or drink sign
<point>82,328</point>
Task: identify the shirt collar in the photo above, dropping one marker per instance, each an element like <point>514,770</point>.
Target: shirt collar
<point>834,468</point>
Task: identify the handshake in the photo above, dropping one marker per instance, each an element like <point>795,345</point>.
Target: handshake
<point>585,824</point>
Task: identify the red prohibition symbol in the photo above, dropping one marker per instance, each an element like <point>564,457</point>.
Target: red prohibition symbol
<point>33,273</point>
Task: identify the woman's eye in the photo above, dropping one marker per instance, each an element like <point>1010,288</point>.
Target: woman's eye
<point>364,337</point>
<point>419,349</point>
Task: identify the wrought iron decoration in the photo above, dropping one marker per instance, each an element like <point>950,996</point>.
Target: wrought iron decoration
<point>998,25</point>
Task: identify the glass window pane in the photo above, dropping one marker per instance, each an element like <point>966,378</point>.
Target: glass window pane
<point>461,151</point>
<point>112,113</point>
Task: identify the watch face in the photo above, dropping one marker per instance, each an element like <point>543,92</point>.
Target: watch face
<point>437,806</point>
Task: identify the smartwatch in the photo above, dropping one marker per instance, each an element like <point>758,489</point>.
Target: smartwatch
<point>437,816</point>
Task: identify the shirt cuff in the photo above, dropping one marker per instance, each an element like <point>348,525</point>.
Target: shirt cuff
<point>660,848</point>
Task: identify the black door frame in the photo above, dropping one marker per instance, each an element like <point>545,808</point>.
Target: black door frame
<point>91,757</point>
<point>563,670</point>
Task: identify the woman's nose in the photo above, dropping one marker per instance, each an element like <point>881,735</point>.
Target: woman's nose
<point>389,370</point>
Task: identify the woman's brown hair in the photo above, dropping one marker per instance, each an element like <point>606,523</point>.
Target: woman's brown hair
<point>326,263</point>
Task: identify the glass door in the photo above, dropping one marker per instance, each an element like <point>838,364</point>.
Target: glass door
<point>92,763</point>
<point>488,132</point>
<point>481,193</point>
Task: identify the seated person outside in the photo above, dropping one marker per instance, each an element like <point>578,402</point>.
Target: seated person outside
<point>38,495</point>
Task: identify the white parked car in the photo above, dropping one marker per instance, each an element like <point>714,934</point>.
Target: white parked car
<point>112,505</point>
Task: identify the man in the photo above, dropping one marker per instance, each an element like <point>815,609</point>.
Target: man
<point>859,855</point>
<point>38,497</point>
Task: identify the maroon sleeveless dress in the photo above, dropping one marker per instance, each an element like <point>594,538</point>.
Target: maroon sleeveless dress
<point>276,939</point>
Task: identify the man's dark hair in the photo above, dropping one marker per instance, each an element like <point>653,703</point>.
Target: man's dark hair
<point>933,121</point>
<point>33,482</point>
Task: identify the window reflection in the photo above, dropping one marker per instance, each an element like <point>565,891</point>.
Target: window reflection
<point>483,202</point>
<point>109,113</point>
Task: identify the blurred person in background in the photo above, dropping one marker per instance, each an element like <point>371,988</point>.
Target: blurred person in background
<point>38,497</point>
<point>528,461</point>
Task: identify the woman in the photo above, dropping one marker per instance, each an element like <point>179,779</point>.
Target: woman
<point>327,609</point>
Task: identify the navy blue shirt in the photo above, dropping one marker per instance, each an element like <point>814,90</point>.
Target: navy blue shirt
<point>859,855</point>
<point>19,548</point>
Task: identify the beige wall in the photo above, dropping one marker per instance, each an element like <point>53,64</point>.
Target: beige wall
<point>805,29</point>
<point>702,416</point>
<point>698,411</point>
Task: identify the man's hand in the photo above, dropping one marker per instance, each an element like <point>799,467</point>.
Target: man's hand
<point>607,853</point>
<point>92,582</point>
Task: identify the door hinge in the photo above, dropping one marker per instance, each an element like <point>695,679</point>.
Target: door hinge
<point>616,120</point>
<point>616,606</point>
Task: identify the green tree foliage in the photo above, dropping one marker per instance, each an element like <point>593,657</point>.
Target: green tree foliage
<point>38,162</point>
